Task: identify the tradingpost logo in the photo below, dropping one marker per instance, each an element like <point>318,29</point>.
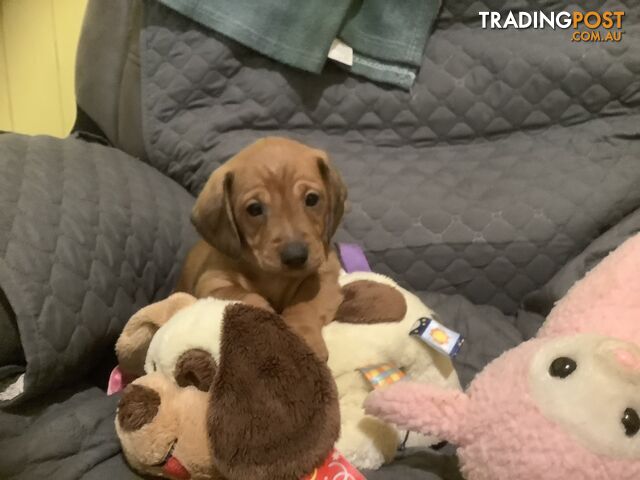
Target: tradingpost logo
<point>588,26</point>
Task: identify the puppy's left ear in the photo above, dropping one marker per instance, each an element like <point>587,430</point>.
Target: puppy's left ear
<point>213,216</point>
<point>273,409</point>
<point>336,192</point>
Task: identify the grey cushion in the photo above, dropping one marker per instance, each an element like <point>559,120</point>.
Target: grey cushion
<point>87,236</point>
<point>64,438</point>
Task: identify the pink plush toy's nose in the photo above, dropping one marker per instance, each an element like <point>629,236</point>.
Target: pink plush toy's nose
<point>622,358</point>
<point>628,357</point>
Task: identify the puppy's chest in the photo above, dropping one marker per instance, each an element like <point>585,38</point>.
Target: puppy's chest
<point>279,293</point>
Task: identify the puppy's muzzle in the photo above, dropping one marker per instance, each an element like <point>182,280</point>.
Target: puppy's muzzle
<point>294,254</point>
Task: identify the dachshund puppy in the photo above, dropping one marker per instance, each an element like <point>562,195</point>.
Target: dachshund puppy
<point>267,217</point>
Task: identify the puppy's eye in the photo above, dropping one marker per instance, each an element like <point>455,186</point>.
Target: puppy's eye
<point>255,209</point>
<point>562,367</point>
<point>631,422</point>
<point>311,199</point>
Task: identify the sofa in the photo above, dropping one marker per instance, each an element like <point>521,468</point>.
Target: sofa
<point>509,169</point>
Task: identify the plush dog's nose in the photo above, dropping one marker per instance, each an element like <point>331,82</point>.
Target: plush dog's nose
<point>294,254</point>
<point>138,406</point>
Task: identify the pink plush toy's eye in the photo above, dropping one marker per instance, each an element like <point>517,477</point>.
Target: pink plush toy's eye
<point>630,422</point>
<point>562,367</point>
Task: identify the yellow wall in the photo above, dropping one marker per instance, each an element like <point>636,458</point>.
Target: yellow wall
<point>38,41</point>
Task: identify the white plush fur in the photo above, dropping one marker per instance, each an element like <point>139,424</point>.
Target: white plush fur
<point>365,441</point>
<point>196,326</point>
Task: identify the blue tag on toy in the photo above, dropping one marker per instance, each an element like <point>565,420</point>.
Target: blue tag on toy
<point>436,335</point>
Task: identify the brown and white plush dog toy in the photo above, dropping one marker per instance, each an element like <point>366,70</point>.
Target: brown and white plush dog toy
<point>261,406</point>
<point>183,338</point>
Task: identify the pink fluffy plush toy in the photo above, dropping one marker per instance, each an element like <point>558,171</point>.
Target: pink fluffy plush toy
<point>562,406</point>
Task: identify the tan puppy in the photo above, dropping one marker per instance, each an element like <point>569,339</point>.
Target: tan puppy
<point>267,217</point>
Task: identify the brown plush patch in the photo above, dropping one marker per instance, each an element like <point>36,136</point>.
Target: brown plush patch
<point>369,302</point>
<point>273,410</point>
<point>138,406</point>
<point>195,367</point>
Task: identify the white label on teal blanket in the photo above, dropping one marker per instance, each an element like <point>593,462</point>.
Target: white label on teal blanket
<point>341,52</point>
<point>436,335</point>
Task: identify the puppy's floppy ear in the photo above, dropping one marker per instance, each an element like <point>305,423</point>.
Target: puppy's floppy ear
<point>336,193</point>
<point>273,411</point>
<point>212,214</point>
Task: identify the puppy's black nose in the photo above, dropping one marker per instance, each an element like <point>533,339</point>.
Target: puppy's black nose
<point>294,254</point>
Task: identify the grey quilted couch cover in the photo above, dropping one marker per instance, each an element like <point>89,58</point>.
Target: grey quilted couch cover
<point>509,169</point>
<point>511,152</point>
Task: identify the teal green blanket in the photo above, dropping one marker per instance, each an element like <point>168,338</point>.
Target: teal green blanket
<point>387,37</point>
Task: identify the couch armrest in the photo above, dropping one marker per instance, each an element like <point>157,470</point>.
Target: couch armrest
<point>88,235</point>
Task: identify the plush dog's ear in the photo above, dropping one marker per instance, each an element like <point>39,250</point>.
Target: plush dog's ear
<point>133,343</point>
<point>273,411</point>
<point>213,217</point>
<point>366,301</point>
<point>196,368</point>
<point>336,193</point>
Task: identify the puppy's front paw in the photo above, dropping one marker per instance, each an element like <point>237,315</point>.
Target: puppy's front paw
<point>316,343</point>
<point>320,349</point>
<point>309,329</point>
<point>258,301</point>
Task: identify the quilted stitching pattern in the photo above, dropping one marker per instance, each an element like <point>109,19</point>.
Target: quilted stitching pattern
<point>489,224</point>
<point>87,236</point>
<point>513,150</point>
<point>65,438</point>
<point>473,83</point>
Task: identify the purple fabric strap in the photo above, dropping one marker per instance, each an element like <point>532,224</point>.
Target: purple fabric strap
<point>353,258</point>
